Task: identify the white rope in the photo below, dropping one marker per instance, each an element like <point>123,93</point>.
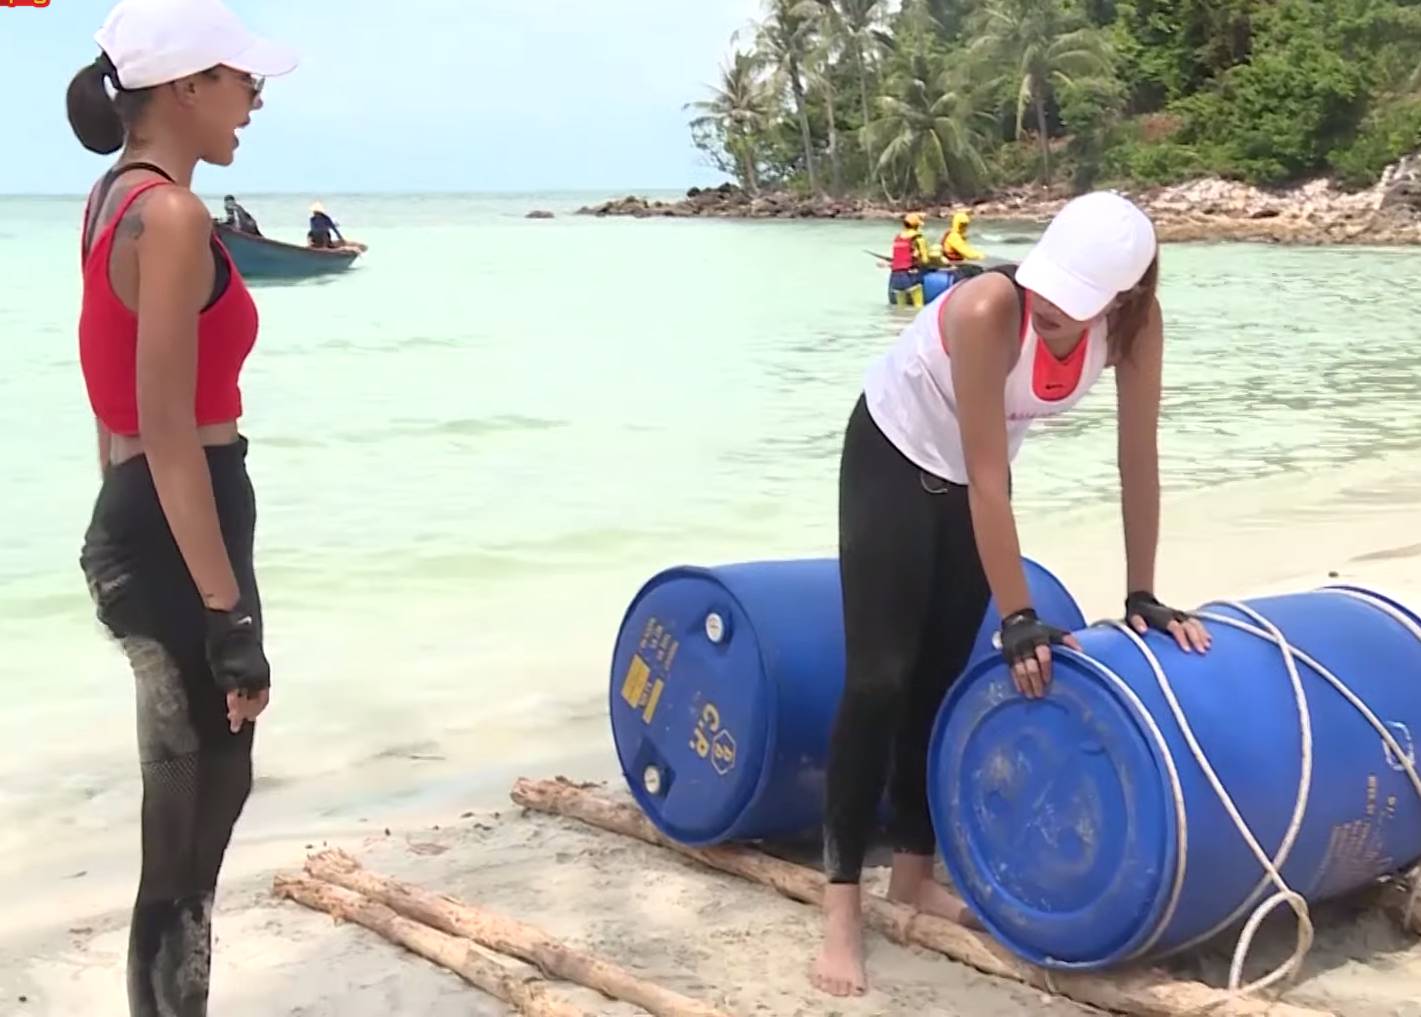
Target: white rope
<point>1270,865</point>
<point>1411,918</point>
<point>1264,629</point>
<point>1270,633</point>
<point>1176,791</point>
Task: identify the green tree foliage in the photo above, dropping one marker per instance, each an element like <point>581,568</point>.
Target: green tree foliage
<point>924,138</point>
<point>936,99</point>
<point>732,124</point>
<point>1037,49</point>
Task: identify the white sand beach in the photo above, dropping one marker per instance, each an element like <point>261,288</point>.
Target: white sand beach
<point>711,936</point>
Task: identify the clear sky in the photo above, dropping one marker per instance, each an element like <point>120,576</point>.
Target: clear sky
<point>463,95</point>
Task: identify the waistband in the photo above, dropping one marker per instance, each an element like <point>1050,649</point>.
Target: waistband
<point>233,453</point>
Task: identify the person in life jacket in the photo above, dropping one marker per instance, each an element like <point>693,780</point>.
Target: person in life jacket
<point>910,249</point>
<point>955,247</point>
<point>910,257</point>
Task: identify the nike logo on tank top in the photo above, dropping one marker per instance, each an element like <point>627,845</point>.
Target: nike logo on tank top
<point>910,394</point>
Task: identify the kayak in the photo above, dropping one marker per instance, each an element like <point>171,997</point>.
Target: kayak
<point>263,258</point>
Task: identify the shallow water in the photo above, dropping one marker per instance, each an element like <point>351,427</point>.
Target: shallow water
<point>471,449</point>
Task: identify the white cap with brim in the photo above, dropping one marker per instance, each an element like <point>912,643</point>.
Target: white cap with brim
<point>153,42</point>
<point>1098,246</point>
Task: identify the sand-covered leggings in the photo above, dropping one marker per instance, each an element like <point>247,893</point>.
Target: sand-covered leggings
<point>914,596</point>
<point>196,773</point>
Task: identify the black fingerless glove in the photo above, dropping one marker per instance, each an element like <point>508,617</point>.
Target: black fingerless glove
<point>234,652</point>
<point>1156,615</point>
<point>1022,632</point>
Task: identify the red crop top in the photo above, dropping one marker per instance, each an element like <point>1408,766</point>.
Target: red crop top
<point>108,340</point>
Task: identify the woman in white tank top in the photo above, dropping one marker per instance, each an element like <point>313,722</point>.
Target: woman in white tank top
<point>926,532</point>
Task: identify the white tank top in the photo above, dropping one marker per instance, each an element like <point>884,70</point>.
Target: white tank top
<point>910,395</point>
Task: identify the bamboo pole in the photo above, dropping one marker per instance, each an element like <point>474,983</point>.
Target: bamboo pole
<point>1149,993</point>
<point>529,993</point>
<point>506,935</point>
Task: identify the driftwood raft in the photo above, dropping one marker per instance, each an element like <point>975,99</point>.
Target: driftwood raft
<point>1149,993</point>
<point>445,930</point>
<point>514,961</point>
<point>531,995</point>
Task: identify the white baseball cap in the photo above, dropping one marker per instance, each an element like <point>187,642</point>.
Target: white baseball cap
<point>153,42</point>
<point>1096,247</point>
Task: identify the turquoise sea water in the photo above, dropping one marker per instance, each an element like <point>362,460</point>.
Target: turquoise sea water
<point>471,449</point>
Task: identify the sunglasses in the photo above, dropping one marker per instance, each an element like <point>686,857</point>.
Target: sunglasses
<point>253,83</point>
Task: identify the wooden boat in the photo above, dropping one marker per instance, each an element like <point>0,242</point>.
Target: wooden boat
<point>265,258</point>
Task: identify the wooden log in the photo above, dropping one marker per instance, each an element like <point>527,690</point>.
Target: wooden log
<point>1400,898</point>
<point>506,935</point>
<point>528,992</point>
<point>1149,993</point>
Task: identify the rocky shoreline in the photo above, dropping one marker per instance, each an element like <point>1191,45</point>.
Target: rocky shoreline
<point>1388,213</point>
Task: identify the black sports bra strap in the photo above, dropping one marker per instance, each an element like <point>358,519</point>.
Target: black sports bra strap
<point>106,185</point>
<point>124,167</point>
<point>1009,270</point>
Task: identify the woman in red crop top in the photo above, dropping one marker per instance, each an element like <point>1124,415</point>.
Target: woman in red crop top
<point>165,327</point>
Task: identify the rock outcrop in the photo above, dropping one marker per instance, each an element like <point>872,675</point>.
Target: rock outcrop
<point>731,202</point>
<point>1208,209</point>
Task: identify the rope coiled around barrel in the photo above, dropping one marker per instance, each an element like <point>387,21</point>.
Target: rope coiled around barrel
<point>1263,629</point>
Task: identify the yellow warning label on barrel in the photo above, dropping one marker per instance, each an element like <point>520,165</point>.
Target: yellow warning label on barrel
<point>652,700</point>
<point>635,685</point>
<point>639,691</point>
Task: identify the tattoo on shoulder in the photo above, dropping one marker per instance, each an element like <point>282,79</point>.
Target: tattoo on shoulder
<point>131,226</point>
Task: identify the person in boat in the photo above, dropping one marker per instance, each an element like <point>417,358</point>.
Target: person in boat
<point>927,533</point>
<point>321,228</point>
<point>238,218</point>
<point>910,256</point>
<point>956,249</point>
<point>165,325</point>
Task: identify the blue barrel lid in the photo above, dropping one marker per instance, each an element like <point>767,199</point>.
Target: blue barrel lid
<point>691,709</point>
<point>1054,816</point>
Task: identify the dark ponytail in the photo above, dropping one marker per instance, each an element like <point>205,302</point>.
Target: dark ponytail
<point>99,121</point>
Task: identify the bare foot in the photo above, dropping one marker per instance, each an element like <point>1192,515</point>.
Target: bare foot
<point>912,883</point>
<point>936,899</point>
<point>839,970</point>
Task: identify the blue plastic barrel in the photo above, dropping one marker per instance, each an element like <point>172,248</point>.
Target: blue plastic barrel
<point>936,283</point>
<point>724,684</point>
<point>1058,818</point>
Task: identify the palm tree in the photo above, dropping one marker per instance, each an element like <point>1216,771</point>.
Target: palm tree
<point>925,135</point>
<point>1036,48</point>
<point>783,40</point>
<point>739,108</point>
<point>945,16</point>
<point>817,72</point>
<point>855,26</point>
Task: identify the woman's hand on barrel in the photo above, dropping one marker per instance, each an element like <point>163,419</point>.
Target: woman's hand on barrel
<point>1144,612</point>
<point>1026,645</point>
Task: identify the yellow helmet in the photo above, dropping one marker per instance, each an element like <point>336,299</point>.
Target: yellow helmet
<point>913,220</point>
<point>961,220</point>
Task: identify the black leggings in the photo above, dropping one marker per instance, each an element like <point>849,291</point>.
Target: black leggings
<point>914,597</point>
<point>196,773</point>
